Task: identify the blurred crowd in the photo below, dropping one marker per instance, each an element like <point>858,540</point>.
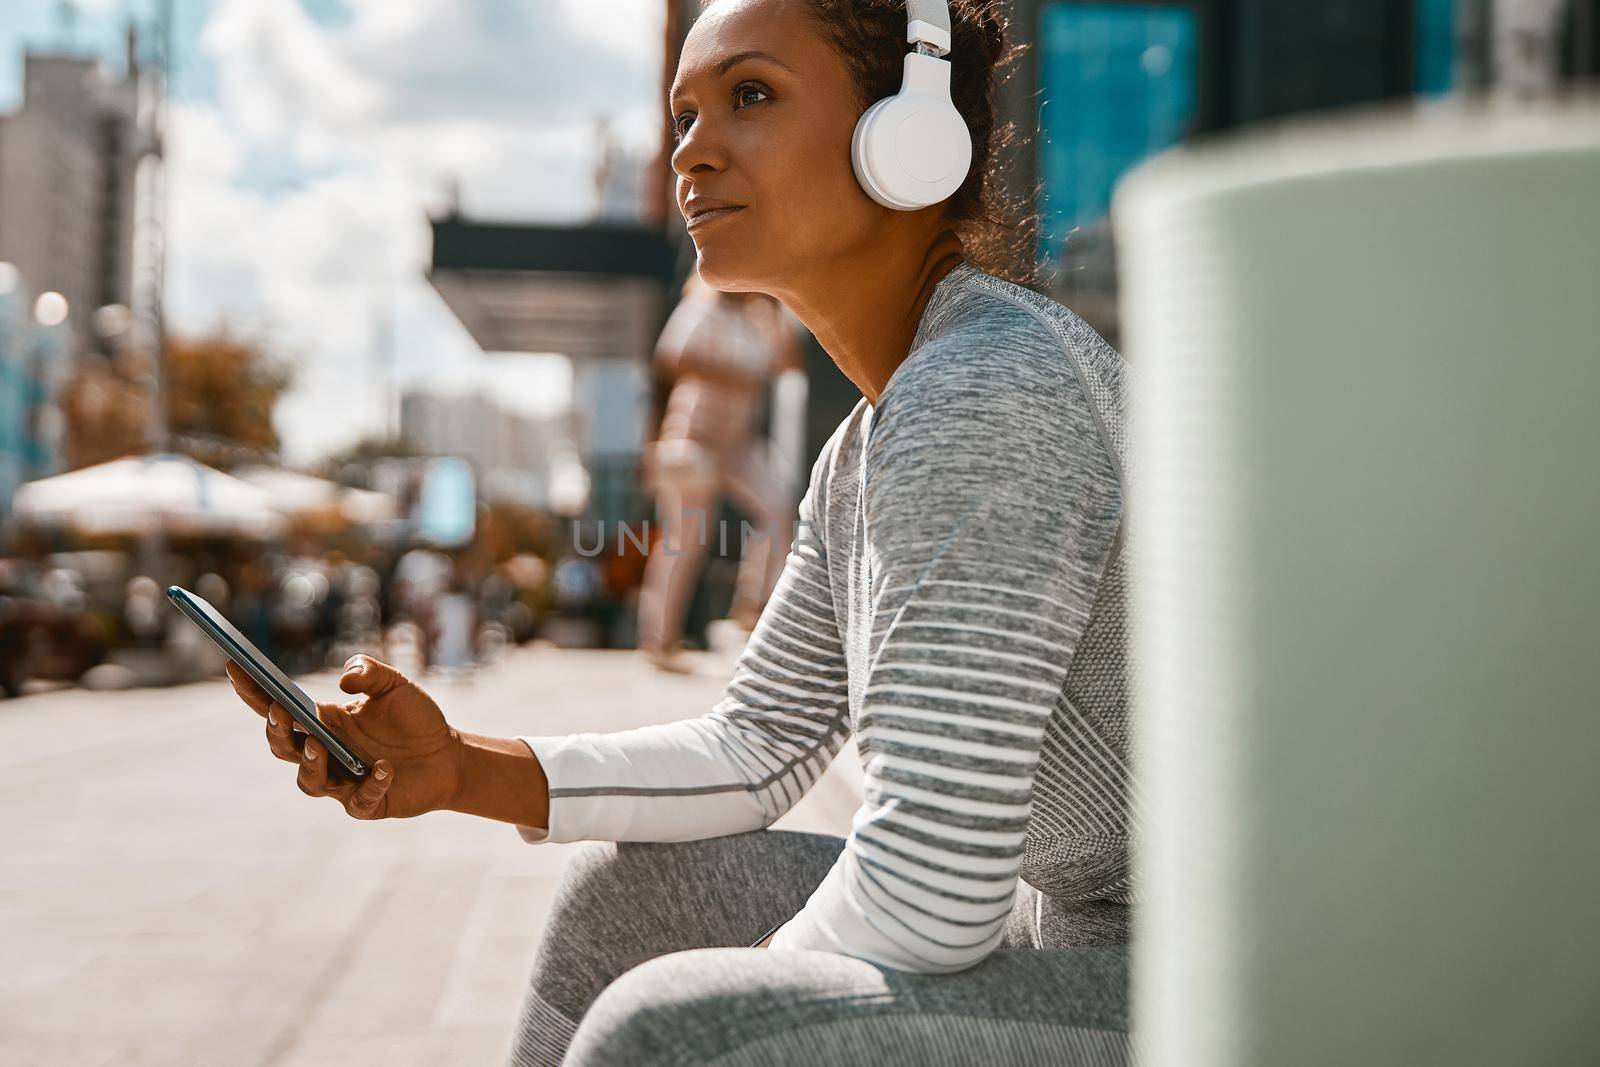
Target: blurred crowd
<point>98,618</point>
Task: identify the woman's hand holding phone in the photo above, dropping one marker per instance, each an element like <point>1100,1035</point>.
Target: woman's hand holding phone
<point>415,754</point>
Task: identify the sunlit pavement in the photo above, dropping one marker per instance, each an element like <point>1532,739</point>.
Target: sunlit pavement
<point>167,895</point>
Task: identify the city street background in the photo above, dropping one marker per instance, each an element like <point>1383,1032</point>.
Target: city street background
<point>376,325</point>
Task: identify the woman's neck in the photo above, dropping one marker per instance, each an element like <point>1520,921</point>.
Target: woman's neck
<point>865,310</point>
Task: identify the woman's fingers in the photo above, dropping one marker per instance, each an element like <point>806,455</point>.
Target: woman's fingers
<point>313,777</point>
<point>280,734</point>
<point>363,674</point>
<point>362,800</point>
<point>366,801</point>
<point>338,718</point>
<point>249,692</point>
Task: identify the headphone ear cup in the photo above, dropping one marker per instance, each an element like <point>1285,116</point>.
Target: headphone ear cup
<point>911,151</point>
<point>867,154</point>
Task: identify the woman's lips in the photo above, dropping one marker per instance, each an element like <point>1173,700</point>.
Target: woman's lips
<point>711,216</point>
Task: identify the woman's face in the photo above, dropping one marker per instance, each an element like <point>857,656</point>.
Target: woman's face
<point>764,111</point>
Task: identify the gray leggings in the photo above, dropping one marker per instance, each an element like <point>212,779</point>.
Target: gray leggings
<point>641,964</point>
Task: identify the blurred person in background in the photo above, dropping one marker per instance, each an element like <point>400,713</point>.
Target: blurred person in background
<point>253,607</point>
<point>721,351</point>
<point>575,582</point>
<point>144,611</point>
<point>49,626</point>
<point>530,578</point>
<point>213,588</point>
<point>455,622</point>
<point>360,616</point>
<point>621,568</point>
<point>335,568</point>
<point>298,613</point>
<point>420,576</point>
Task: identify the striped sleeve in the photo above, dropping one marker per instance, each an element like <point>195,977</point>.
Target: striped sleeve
<point>990,508</point>
<point>781,719</point>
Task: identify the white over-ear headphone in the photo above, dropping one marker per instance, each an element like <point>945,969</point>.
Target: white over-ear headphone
<point>913,149</point>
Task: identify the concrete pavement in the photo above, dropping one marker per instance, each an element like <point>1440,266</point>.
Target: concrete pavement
<point>168,896</point>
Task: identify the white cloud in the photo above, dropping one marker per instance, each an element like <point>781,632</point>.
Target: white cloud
<point>300,196</point>
<point>631,28</point>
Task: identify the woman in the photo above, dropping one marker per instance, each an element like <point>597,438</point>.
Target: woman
<point>721,350</point>
<point>954,597</point>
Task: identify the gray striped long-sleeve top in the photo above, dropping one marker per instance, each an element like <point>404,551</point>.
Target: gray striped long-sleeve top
<point>955,596</point>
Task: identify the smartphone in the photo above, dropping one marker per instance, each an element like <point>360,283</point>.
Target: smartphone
<point>277,684</point>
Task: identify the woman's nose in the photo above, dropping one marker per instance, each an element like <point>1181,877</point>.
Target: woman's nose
<point>700,150</point>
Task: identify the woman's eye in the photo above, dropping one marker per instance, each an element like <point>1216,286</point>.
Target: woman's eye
<point>742,98</point>
<point>743,91</point>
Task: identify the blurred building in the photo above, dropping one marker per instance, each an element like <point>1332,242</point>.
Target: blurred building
<point>76,179</point>
<point>34,361</point>
<point>510,453</point>
<point>81,216</point>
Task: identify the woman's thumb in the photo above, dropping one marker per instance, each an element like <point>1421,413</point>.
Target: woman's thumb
<point>363,674</point>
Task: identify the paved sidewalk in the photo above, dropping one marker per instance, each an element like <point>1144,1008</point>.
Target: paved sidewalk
<point>167,896</point>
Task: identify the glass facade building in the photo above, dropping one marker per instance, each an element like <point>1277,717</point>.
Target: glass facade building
<point>32,362</point>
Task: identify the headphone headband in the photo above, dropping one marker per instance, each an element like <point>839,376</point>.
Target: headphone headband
<point>928,22</point>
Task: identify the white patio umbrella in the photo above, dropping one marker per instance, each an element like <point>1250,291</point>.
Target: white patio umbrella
<point>157,493</point>
<point>294,493</point>
<point>291,492</point>
<point>369,506</point>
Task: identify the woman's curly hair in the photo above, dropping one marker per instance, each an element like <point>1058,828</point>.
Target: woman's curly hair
<point>870,36</point>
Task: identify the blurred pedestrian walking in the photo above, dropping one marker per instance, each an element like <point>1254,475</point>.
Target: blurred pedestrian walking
<point>721,351</point>
<point>456,624</point>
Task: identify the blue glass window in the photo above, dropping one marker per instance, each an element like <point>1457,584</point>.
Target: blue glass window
<point>1119,84</point>
<point>1436,46</point>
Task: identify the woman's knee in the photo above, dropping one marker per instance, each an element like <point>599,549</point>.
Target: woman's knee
<point>588,878</point>
<point>674,1009</point>
<point>592,934</point>
<point>607,880</point>
<point>743,1006</point>
<point>621,903</point>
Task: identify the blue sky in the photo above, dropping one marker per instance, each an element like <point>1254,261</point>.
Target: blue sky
<point>310,138</point>
<point>98,25</point>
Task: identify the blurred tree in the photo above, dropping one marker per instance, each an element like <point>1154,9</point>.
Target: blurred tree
<point>105,414</point>
<point>220,391</point>
<point>364,451</point>
<point>355,464</point>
